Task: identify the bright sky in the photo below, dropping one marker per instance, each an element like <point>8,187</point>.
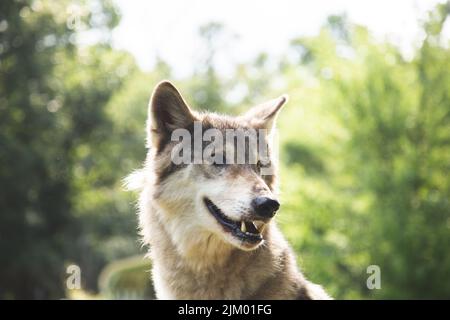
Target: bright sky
<point>169,28</point>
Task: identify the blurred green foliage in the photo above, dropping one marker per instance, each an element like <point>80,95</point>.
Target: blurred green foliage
<point>127,279</point>
<point>364,146</point>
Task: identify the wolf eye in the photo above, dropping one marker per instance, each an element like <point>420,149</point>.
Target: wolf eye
<point>216,163</point>
<point>260,165</point>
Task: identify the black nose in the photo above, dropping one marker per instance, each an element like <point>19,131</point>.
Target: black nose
<point>265,207</point>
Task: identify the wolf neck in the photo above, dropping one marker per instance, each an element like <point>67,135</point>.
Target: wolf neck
<point>197,251</point>
<point>203,269</point>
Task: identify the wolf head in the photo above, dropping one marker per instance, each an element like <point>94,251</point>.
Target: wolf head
<point>223,190</point>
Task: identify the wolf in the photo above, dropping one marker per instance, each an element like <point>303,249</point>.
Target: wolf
<point>210,226</point>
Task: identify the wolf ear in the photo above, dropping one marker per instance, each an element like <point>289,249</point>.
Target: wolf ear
<point>265,114</point>
<point>167,111</point>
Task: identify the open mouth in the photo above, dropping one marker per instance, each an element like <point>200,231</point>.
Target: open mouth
<point>245,230</point>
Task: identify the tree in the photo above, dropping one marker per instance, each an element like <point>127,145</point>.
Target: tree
<point>384,196</point>
<point>51,103</point>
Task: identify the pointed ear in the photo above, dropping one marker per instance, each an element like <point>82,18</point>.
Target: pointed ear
<point>265,114</point>
<point>167,111</point>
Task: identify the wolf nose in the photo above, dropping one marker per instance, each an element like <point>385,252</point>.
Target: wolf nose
<point>265,207</point>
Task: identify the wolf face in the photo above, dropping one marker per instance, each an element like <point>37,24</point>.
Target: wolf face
<point>218,201</point>
<point>207,201</point>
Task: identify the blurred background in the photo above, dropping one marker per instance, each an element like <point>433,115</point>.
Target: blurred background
<point>365,138</point>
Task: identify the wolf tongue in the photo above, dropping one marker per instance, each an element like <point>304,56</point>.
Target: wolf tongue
<point>251,227</point>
